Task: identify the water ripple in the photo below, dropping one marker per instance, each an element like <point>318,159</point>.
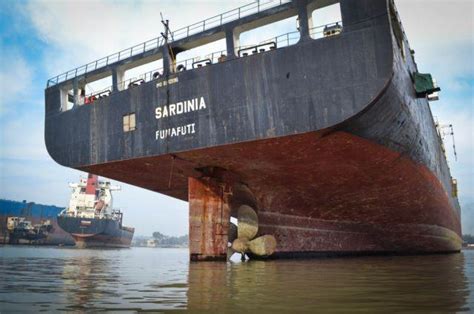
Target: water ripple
<point>62,279</point>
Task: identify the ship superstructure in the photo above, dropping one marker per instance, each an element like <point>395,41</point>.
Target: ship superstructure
<point>316,144</point>
<point>92,198</point>
<point>90,217</point>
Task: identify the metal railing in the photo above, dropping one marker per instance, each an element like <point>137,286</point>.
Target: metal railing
<point>279,41</point>
<point>284,40</point>
<point>318,31</point>
<point>129,83</point>
<point>218,20</point>
<point>292,38</point>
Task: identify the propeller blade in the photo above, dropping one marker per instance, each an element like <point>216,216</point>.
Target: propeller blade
<point>247,222</point>
<point>232,233</point>
<point>240,245</point>
<point>263,246</point>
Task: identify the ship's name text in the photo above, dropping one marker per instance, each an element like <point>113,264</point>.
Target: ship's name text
<point>180,108</point>
<point>177,131</point>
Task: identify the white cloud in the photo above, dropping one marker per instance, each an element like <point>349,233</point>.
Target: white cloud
<point>442,34</point>
<point>437,20</point>
<point>80,32</point>
<point>15,79</point>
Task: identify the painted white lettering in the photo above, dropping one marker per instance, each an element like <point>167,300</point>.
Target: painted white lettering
<point>173,132</point>
<point>191,105</point>
<point>158,112</point>
<point>179,108</point>
<point>172,109</point>
<point>202,104</point>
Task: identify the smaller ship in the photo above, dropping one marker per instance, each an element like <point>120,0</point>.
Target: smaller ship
<point>90,217</point>
<point>22,231</point>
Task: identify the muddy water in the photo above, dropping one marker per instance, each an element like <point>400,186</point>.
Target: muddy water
<point>53,279</point>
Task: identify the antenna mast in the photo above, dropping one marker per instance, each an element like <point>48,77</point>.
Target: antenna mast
<point>168,34</point>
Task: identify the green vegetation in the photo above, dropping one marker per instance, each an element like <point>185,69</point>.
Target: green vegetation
<point>468,238</point>
<point>164,240</point>
<point>160,240</point>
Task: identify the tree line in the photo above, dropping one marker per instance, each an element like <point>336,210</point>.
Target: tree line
<point>164,240</point>
<point>468,238</point>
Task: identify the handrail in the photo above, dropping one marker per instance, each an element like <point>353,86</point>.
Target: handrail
<point>218,20</point>
<point>273,43</point>
<point>258,48</point>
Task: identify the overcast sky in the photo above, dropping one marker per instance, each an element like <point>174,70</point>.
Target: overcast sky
<point>40,39</point>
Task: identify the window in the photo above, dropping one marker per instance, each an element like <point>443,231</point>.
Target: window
<point>326,21</point>
<point>129,122</point>
<point>87,92</point>
<point>200,56</point>
<point>281,34</point>
<point>67,99</point>
<point>140,74</point>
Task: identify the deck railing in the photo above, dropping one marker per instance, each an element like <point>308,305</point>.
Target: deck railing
<point>280,41</point>
<point>218,20</point>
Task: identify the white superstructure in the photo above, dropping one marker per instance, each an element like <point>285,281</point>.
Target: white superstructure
<point>91,198</point>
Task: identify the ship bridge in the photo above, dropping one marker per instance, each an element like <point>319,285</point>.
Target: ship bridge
<point>289,126</point>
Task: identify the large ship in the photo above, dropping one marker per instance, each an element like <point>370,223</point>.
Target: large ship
<point>90,217</point>
<point>319,141</point>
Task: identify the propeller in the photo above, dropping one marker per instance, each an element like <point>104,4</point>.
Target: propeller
<point>243,238</point>
<point>233,232</point>
<point>231,236</point>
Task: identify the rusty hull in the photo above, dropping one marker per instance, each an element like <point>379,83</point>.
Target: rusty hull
<point>209,217</point>
<point>336,193</point>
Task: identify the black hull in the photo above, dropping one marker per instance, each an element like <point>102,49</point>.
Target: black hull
<point>96,232</point>
<point>329,135</point>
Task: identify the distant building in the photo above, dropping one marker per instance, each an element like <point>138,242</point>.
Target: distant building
<point>151,243</point>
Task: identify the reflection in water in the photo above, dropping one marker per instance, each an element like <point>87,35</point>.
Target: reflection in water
<point>409,284</point>
<point>51,279</point>
<point>85,279</point>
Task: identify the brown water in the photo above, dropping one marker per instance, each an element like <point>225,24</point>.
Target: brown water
<point>52,279</point>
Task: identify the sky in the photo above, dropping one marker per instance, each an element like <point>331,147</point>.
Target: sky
<point>41,39</point>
